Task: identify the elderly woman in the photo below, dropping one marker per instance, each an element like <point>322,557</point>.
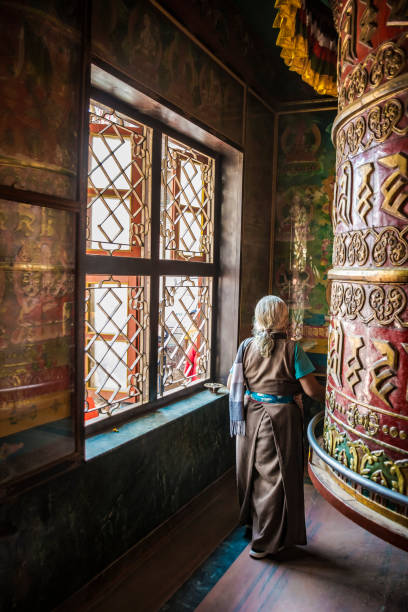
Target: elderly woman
<point>268,423</point>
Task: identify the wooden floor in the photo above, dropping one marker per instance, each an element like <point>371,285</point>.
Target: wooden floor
<point>343,569</point>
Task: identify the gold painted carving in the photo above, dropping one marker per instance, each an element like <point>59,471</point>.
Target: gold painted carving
<point>387,305</point>
<point>25,223</point>
<point>374,465</point>
<point>399,13</point>
<point>389,246</point>
<point>348,301</point>
<point>335,351</point>
<point>343,195</point>
<point>369,421</point>
<point>340,145</point>
<point>337,297</point>
<point>363,409</point>
<point>399,469</point>
<point>339,249</point>
<point>390,243</point>
<point>386,63</point>
<point>352,374</point>
<point>365,192</point>
<point>368,23</point>
<point>383,370</point>
<point>378,441</point>
<point>355,86</point>
<point>394,433</point>
<point>355,133</point>
<point>382,121</point>
<point>347,40</point>
<point>354,299</point>
<point>357,250</point>
<point>350,138</point>
<point>393,185</point>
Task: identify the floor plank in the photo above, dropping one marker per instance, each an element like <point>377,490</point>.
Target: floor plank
<point>343,568</point>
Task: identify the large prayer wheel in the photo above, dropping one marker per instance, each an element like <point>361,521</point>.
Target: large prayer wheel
<point>366,417</point>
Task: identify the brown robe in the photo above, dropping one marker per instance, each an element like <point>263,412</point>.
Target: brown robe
<point>270,456</point>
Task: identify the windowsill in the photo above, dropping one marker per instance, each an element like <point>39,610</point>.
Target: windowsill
<point>107,441</point>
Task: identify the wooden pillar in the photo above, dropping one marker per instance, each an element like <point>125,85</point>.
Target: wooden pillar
<point>366,422</point>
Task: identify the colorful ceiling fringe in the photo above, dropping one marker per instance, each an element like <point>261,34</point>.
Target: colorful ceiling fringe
<point>309,43</point>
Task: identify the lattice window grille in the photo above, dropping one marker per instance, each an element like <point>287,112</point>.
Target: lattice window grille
<point>187,208</point>
<point>116,348</point>
<point>119,177</point>
<point>184,332</point>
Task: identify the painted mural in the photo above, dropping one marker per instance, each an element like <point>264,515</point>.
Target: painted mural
<point>36,336</point>
<point>141,42</point>
<point>303,231</point>
<point>39,90</point>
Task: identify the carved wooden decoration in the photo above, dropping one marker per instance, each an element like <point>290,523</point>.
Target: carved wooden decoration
<point>365,192</point>
<point>383,370</point>
<point>355,366</point>
<point>343,195</point>
<point>335,357</point>
<point>347,43</point>
<point>393,187</point>
<point>368,23</point>
<point>367,393</point>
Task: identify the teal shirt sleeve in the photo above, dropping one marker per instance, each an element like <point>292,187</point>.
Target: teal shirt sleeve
<point>303,365</point>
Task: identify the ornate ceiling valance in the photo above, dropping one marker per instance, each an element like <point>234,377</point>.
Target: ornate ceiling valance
<point>309,42</point>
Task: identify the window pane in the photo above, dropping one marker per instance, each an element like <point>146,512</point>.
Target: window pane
<point>184,332</point>
<point>110,220</point>
<point>37,297</point>
<point>116,344</point>
<point>111,162</point>
<point>187,203</point>
<point>119,188</point>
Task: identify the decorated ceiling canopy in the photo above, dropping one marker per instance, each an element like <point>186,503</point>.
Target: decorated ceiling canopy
<point>309,42</point>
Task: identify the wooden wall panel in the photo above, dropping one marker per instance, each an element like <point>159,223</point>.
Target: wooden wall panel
<point>143,44</point>
<point>256,211</point>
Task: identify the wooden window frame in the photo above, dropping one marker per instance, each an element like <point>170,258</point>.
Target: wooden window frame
<point>154,267</point>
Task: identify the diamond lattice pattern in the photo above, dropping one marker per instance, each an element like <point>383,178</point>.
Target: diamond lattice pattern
<point>116,328</point>
<point>119,190</point>
<point>187,203</point>
<point>184,332</point>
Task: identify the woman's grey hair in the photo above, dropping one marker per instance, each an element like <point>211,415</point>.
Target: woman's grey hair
<point>271,315</point>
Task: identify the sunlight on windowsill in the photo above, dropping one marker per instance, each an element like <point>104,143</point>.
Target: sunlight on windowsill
<point>122,434</point>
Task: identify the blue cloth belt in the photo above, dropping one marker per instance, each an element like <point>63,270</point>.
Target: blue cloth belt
<point>266,398</point>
